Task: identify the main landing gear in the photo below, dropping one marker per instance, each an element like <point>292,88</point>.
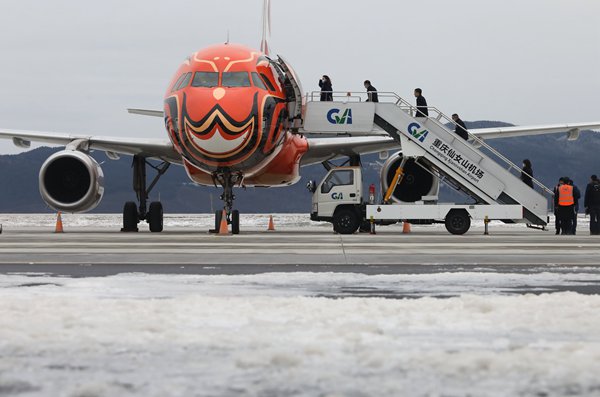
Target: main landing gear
<point>228,180</point>
<point>134,213</point>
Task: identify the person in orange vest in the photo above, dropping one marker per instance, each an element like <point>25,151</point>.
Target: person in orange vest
<point>564,203</point>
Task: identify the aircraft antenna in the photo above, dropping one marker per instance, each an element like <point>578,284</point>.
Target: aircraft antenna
<point>266,27</point>
<point>227,42</point>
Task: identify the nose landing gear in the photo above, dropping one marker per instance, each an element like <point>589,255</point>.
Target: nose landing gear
<point>228,180</point>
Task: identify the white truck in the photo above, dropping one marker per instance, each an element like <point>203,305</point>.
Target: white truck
<point>338,199</point>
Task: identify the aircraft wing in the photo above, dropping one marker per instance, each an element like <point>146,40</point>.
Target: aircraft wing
<point>147,112</point>
<point>572,130</point>
<point>323,149</point>
<point>152,148</point>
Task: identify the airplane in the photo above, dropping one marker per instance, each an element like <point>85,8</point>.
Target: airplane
<point>233,117</point>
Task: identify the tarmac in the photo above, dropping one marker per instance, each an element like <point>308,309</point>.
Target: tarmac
<point>98,251</point>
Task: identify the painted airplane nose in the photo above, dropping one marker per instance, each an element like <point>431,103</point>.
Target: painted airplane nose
<point>219,93</point>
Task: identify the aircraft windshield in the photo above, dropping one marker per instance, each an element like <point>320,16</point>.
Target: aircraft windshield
<point>184,82</point>
<point>205,79</point>
<point>236,79</point>
<point>257,81</point>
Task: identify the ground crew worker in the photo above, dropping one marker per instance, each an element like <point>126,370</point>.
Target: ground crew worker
<point>555,205</point>
<point>565,203</point>
<point>576,197</point>
<point>591,202</point>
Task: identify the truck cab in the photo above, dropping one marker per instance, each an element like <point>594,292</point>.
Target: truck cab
<point>338,199</point>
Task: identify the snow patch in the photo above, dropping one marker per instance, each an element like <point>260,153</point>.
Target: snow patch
<point>155,335</point>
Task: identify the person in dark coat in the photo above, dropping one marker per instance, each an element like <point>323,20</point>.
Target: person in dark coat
<point>591,202</point>
<point>576,197</point>
<point>371,92</point>
<point>461,128</point>
<point>564,204</point>
<point>421,104</point>
<point>326,88</point>
<point>527,173</point>
<point>557,224</point>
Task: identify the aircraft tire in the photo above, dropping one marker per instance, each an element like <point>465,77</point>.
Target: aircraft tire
<point>458,222</point>
<point>345,221</point>
<point>235,222</point>
<point>130,217</point>
<point>155,217</point>
<point>218,215</point>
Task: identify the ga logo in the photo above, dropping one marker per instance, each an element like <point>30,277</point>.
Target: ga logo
<point>415,130</point>
<point>337,196</point>
<point>334,118</point>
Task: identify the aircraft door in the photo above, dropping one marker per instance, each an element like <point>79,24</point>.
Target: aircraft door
<point>294,98</point>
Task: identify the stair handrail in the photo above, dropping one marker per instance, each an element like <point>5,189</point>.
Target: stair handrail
<point>405,105</point>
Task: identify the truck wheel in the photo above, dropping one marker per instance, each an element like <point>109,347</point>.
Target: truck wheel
<point>458,221</point>
<point>365,226</point>
<point>345,221</point>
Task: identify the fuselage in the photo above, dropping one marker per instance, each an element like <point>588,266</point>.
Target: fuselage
<point>226,111</point>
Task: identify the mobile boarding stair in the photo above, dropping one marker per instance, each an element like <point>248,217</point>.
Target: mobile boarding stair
<point>467,165</point>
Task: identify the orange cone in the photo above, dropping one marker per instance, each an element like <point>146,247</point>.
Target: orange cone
<point>406,227</point>
<point>59,225</point>
<point>223,230</point>
<point>271,224</point>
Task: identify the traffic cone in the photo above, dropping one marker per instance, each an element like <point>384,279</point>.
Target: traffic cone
<point>406,227</point>
<point>271,224</point>
<point>223,230</point>
<point>59,226</point>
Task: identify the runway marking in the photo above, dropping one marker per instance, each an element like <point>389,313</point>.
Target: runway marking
<point>297,243</point>
<point>290,250</point>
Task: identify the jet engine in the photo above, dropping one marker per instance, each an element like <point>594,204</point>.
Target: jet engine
<point>71,181</point>
<point>418,182</point>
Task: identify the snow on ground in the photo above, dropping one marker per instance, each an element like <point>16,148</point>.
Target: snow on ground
<point>206,221</point>
<point>170,221</point>
<point>272,335</point>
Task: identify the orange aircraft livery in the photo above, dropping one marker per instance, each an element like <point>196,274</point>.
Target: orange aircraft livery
<point>225,112</point>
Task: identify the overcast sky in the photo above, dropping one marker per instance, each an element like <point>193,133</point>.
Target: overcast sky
<point>75,66</point>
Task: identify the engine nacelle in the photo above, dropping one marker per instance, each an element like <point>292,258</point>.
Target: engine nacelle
<point>71,181</point>
<point>418,183</point>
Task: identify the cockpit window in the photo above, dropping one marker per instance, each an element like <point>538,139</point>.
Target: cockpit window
<point>185,81</point>
<point>257,81</point>
<point>235,79</point>
<point>206,79</point>
<point>177,82</point>
<point>267,82</point>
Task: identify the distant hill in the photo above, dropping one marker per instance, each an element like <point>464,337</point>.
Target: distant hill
<point>552,156</point>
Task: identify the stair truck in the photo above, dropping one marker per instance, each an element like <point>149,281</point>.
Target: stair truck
<point>338,199</point>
